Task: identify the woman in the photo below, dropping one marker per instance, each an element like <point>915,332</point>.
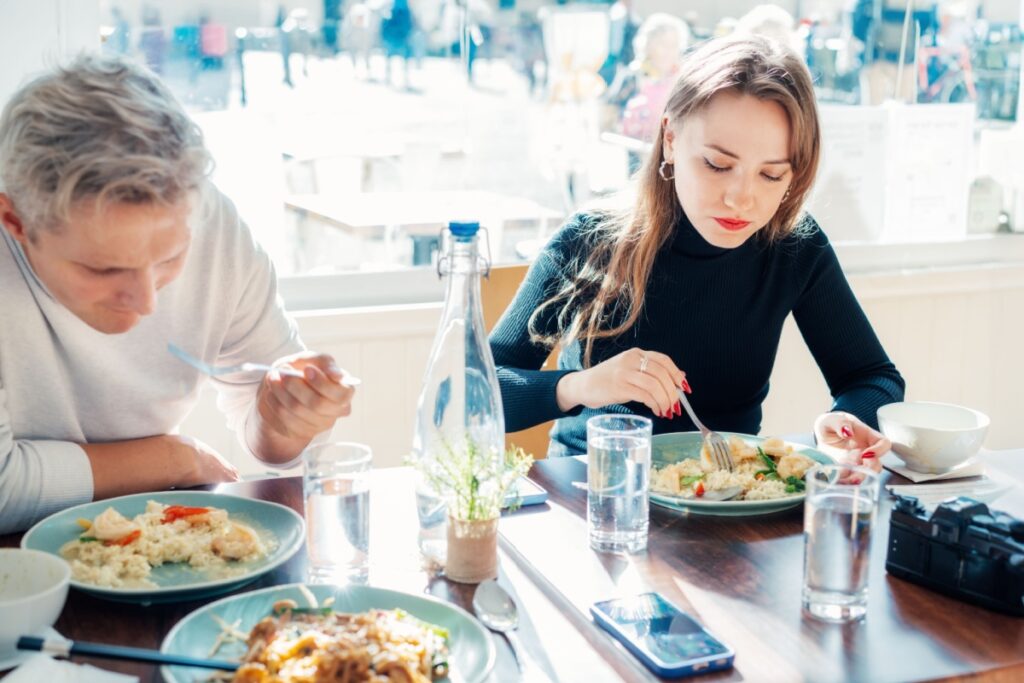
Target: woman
<point>690,285</point>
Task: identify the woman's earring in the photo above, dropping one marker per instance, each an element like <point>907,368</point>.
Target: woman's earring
<point>661,171</point>
<point>786,196</point>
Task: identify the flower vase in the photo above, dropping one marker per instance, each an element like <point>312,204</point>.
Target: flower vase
<point>472,550</point>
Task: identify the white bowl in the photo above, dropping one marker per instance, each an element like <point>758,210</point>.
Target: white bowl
<point>33,588</point>
<point>933,437</point>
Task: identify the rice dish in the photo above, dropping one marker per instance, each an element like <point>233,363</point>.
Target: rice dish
<point>116,552</point>
<point>764,472</point>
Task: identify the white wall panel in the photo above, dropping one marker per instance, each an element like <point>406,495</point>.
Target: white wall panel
<point>955,334</point>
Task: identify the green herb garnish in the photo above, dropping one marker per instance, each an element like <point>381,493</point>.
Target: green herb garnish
<point>87,539</point>
<point>321,611</point>
<point>691,480</point>
<point>795,485</point>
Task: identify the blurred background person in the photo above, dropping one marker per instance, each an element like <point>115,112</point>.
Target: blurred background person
<point>623,25</point>
<point>396,34</point>
<point>359,33</point>
<point>771,21</point>
<point>152,39</point>
<point>659,47</point>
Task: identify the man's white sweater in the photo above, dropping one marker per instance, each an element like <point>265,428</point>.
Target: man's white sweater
<point>63,384</point>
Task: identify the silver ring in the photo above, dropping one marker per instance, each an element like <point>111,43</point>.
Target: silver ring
<point>643,363</point>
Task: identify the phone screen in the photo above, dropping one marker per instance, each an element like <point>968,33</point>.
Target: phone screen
<point>525,492</point>
<point>656,626</point>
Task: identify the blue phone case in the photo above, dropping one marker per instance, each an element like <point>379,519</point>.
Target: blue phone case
<point>671,669</point>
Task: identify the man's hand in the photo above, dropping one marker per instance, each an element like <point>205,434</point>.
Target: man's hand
<point>155,463</point>
<point>208,466</point>
<point>303,396</point>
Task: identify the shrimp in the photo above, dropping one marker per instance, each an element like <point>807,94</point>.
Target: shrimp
<point>776,447</point>
<point>237,543</point>
<point>111,525</point>
<point>793,465</point>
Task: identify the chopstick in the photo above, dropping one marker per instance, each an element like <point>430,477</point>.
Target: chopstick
<point>66,648</point>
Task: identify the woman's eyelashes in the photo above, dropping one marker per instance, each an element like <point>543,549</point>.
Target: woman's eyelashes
<point>722,169</point>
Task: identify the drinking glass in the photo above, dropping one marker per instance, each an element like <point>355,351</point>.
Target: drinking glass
<point>618,476</point>
<point>336,486</point>
<point>839,515</point>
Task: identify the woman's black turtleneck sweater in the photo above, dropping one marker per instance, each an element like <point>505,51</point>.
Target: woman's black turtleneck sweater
<point>718,313</point>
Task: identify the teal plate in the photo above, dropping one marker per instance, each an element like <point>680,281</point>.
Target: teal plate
<point>176,582</point>
<point>668,449</point>
<point>471,648</point>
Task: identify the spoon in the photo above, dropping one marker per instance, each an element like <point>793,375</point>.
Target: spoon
<point>497,611</point>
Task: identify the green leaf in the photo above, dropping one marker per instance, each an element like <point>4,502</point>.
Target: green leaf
<point>321,611</point>
<point>691,480</point>
<point>87,539</point>
<point>769,463</point>
<point>797,483</point>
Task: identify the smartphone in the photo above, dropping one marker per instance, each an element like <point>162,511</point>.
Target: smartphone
<point>666,639</point>
<point>525,491</point>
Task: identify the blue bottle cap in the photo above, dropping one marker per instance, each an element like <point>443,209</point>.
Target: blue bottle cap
<point>464,229</point>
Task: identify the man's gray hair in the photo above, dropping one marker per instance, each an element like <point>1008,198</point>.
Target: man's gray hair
<point>101,128</point>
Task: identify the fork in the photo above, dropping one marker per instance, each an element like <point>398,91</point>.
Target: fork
<point>717,447</point>
<point>214,370</point>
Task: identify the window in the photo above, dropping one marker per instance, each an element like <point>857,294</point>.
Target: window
<point>349,131</point>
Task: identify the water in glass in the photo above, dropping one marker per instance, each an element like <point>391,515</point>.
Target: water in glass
<point>618,463</point>
<point>337,498</point>
<point>838,521</point>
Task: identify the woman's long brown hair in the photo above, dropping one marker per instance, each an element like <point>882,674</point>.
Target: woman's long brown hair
<point>603,291</point>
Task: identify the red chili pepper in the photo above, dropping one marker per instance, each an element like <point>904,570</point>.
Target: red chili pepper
<point>175,512</point>
<point>125,540</point>
<point>698,489</point>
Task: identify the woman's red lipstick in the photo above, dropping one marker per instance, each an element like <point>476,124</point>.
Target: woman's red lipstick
<point>732,223</point>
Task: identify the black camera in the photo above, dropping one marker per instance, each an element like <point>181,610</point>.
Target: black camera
<point>963,550</point>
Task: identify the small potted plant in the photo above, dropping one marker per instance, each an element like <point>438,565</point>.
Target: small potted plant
<point>475,486</point>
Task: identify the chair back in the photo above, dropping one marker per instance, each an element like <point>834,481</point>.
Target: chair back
<point>496,293</point>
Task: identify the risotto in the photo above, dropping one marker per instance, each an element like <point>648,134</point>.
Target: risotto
<point>117,552</point>
<point>771,470</point>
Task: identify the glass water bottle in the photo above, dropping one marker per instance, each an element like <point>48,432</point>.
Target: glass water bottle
<point>460,405</point>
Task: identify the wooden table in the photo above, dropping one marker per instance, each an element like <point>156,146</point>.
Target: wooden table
<point>742,578</point>
<point>395,564</point>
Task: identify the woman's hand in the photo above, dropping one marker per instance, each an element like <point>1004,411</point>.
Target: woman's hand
<point>646,377</point>
<point>303,396</point>
<point>849,440</point>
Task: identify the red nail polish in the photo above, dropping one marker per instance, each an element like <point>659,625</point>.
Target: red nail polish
<point>686,387</point>
<point>867,455</point>
<point>678,408</point>
<point>845,431</point>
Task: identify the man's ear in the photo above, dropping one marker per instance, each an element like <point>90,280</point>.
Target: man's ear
<point>10,219</point>
<point>668,139</point>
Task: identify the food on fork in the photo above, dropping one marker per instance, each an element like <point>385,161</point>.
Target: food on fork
<point>116,552</point>
<point>765,471</point>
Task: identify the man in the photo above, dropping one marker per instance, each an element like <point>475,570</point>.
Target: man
<point>115,244</point>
